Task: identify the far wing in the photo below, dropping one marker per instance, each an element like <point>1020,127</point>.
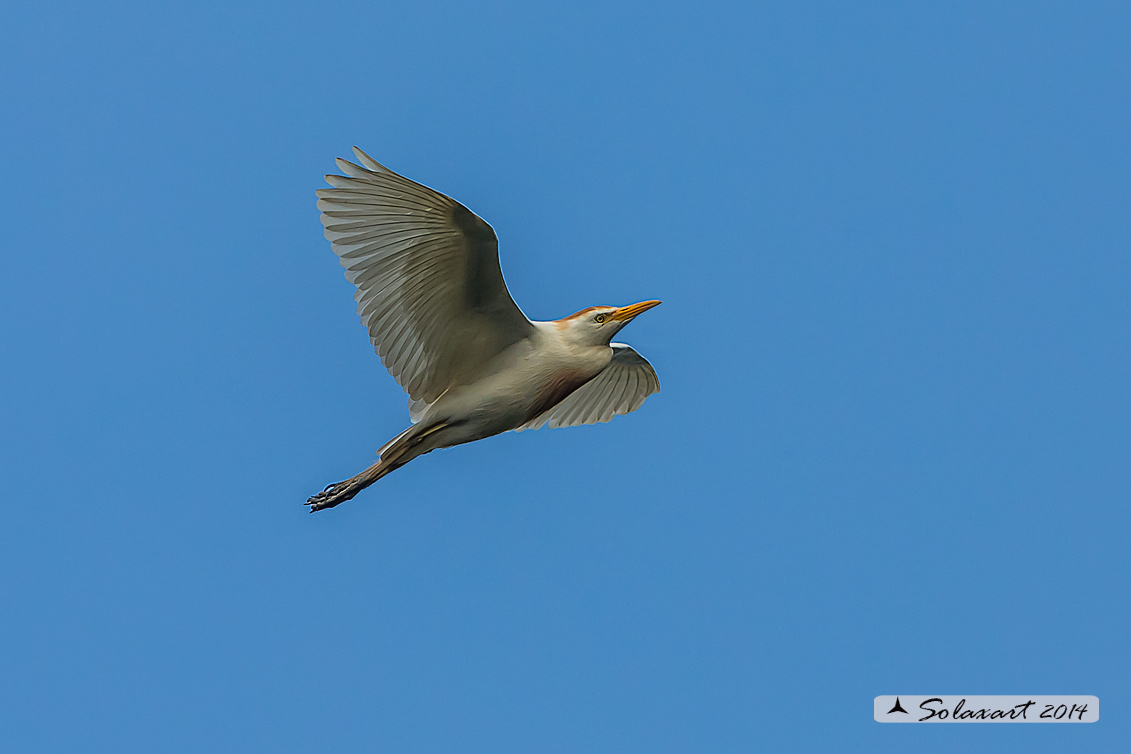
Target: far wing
<point>429,287</point>
<point>620,389</point>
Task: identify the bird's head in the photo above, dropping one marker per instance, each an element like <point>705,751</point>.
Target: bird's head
<point>597,325</point>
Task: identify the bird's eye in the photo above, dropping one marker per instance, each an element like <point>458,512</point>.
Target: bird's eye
<point>600,318</point>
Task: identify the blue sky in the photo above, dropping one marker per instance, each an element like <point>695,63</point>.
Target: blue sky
<point>890,455</point>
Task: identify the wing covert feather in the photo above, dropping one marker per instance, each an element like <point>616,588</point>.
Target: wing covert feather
<point>620,389</point>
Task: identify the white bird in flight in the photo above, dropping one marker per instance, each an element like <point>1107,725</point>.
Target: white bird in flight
<point>431,293</point>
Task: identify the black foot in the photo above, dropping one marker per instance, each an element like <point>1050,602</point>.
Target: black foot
<point>331,496</point>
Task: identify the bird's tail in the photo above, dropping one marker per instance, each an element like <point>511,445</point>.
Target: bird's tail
<point>393,454</point>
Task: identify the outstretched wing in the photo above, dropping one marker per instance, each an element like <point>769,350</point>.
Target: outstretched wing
<point>620,389</point>
<point>429,286</point>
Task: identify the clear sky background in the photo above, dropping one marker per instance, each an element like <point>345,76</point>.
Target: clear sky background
<point>891,454</point>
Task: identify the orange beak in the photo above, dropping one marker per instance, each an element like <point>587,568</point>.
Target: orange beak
<point>626,313</point>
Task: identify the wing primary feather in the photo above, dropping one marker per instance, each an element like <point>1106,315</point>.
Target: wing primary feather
<point>369,162</point>
<point>351,169</point>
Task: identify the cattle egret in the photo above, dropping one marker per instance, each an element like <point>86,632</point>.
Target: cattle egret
<point>431,293</point>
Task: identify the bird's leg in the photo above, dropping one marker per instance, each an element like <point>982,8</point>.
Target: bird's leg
<point>400,451</point>
<point>343,491</point>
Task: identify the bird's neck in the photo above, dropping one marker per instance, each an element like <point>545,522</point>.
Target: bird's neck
<point>559,334</point>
